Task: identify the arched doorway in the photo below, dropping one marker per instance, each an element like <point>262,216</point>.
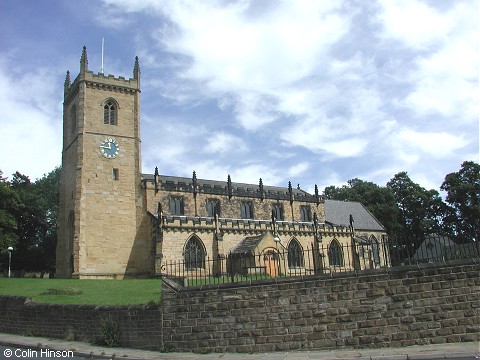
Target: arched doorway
<point>270,260</point>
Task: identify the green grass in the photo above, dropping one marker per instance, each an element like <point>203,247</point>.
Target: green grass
<point>74,291</point>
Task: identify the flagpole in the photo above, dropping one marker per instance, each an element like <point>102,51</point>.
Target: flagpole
<point>102,53</point>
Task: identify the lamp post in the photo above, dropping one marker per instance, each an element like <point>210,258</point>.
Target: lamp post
<point>10,249</point>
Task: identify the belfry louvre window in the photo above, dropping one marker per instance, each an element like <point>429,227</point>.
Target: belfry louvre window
<point>109,113</point>
<point>176,206</point>
<point>246,210</point>
<point>194,256</point>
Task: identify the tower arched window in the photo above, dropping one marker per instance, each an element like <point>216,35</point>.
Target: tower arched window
<point>335,254</point>
<point>194,254</point>
<point>295,254</point>
<point>110,113</point>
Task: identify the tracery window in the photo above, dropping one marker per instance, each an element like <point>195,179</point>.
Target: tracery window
<point>335,254</point>
<point>109,113</point>
<point>295,254</point>
<point>194,254</point>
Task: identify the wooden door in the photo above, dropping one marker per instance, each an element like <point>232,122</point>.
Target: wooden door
<point>270,261</point>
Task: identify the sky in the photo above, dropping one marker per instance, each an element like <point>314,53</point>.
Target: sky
<point>312,92</point>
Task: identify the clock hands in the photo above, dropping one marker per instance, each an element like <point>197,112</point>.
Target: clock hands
<point>109,148</point>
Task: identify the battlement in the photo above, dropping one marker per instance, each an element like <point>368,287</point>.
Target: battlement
<point>111,79</point>
<point>226,188</point>
<point>100,80</point>
<point>229,224</point>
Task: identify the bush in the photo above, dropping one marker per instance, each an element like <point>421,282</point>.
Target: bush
<point>110,332</point>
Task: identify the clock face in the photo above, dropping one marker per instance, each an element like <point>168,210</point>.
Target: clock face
<point>109,148</point>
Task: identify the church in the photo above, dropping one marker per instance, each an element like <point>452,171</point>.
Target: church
<point>117,222</point>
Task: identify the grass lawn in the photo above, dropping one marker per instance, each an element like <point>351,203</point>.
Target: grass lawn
<point>74,291</point>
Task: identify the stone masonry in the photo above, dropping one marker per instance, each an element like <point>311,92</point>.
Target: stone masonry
<point>427,304</point>
<point>406,306</point>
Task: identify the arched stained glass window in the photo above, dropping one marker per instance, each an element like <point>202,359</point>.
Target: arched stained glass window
<point>194,255</point>
<point>335,254</point>
<point>109,113</point>
<point>295,254</point>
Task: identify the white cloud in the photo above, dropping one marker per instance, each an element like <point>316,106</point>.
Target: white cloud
<point>317,81</point>
<point>435,144</point>
<point>298,170</point>
<point>31,132</point>
<point>412,146</point>
<point>447,83</point>
<point>250,173</point>
<point>413,22</point>
<point>445,78</point>
<point>221,143</point>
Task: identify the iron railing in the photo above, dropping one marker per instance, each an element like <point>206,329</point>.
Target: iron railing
<point>195,270</point>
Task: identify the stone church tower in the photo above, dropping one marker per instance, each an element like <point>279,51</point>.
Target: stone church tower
<point>101,205</point>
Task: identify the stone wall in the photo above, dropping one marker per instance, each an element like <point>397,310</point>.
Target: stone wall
<point>404,306</point>
<point>425,304</point>
<point>140,326</point>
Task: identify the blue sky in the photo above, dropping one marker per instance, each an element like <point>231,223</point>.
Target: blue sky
<point>312,92</point>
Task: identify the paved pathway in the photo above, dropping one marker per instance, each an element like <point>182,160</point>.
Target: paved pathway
<point>469,350</point>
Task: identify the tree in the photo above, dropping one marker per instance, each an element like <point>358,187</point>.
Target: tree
<point>463,198</point>
<point>36,221</point>
<point>9,209</point>
<point>380,201</point>
<point>421,210</point>
<point>47,190</point>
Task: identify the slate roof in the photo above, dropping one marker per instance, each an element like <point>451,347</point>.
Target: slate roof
<point>247,244</point>
<point>338,213</point>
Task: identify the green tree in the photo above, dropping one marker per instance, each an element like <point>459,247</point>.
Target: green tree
<point>47,192</point>
<point>380,201</point>
<point>9,210</point>
<point>421,210</point>
<point>36,221</point>
<point>463,198</point>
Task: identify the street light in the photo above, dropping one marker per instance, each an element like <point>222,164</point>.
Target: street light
<point>10,249</point>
